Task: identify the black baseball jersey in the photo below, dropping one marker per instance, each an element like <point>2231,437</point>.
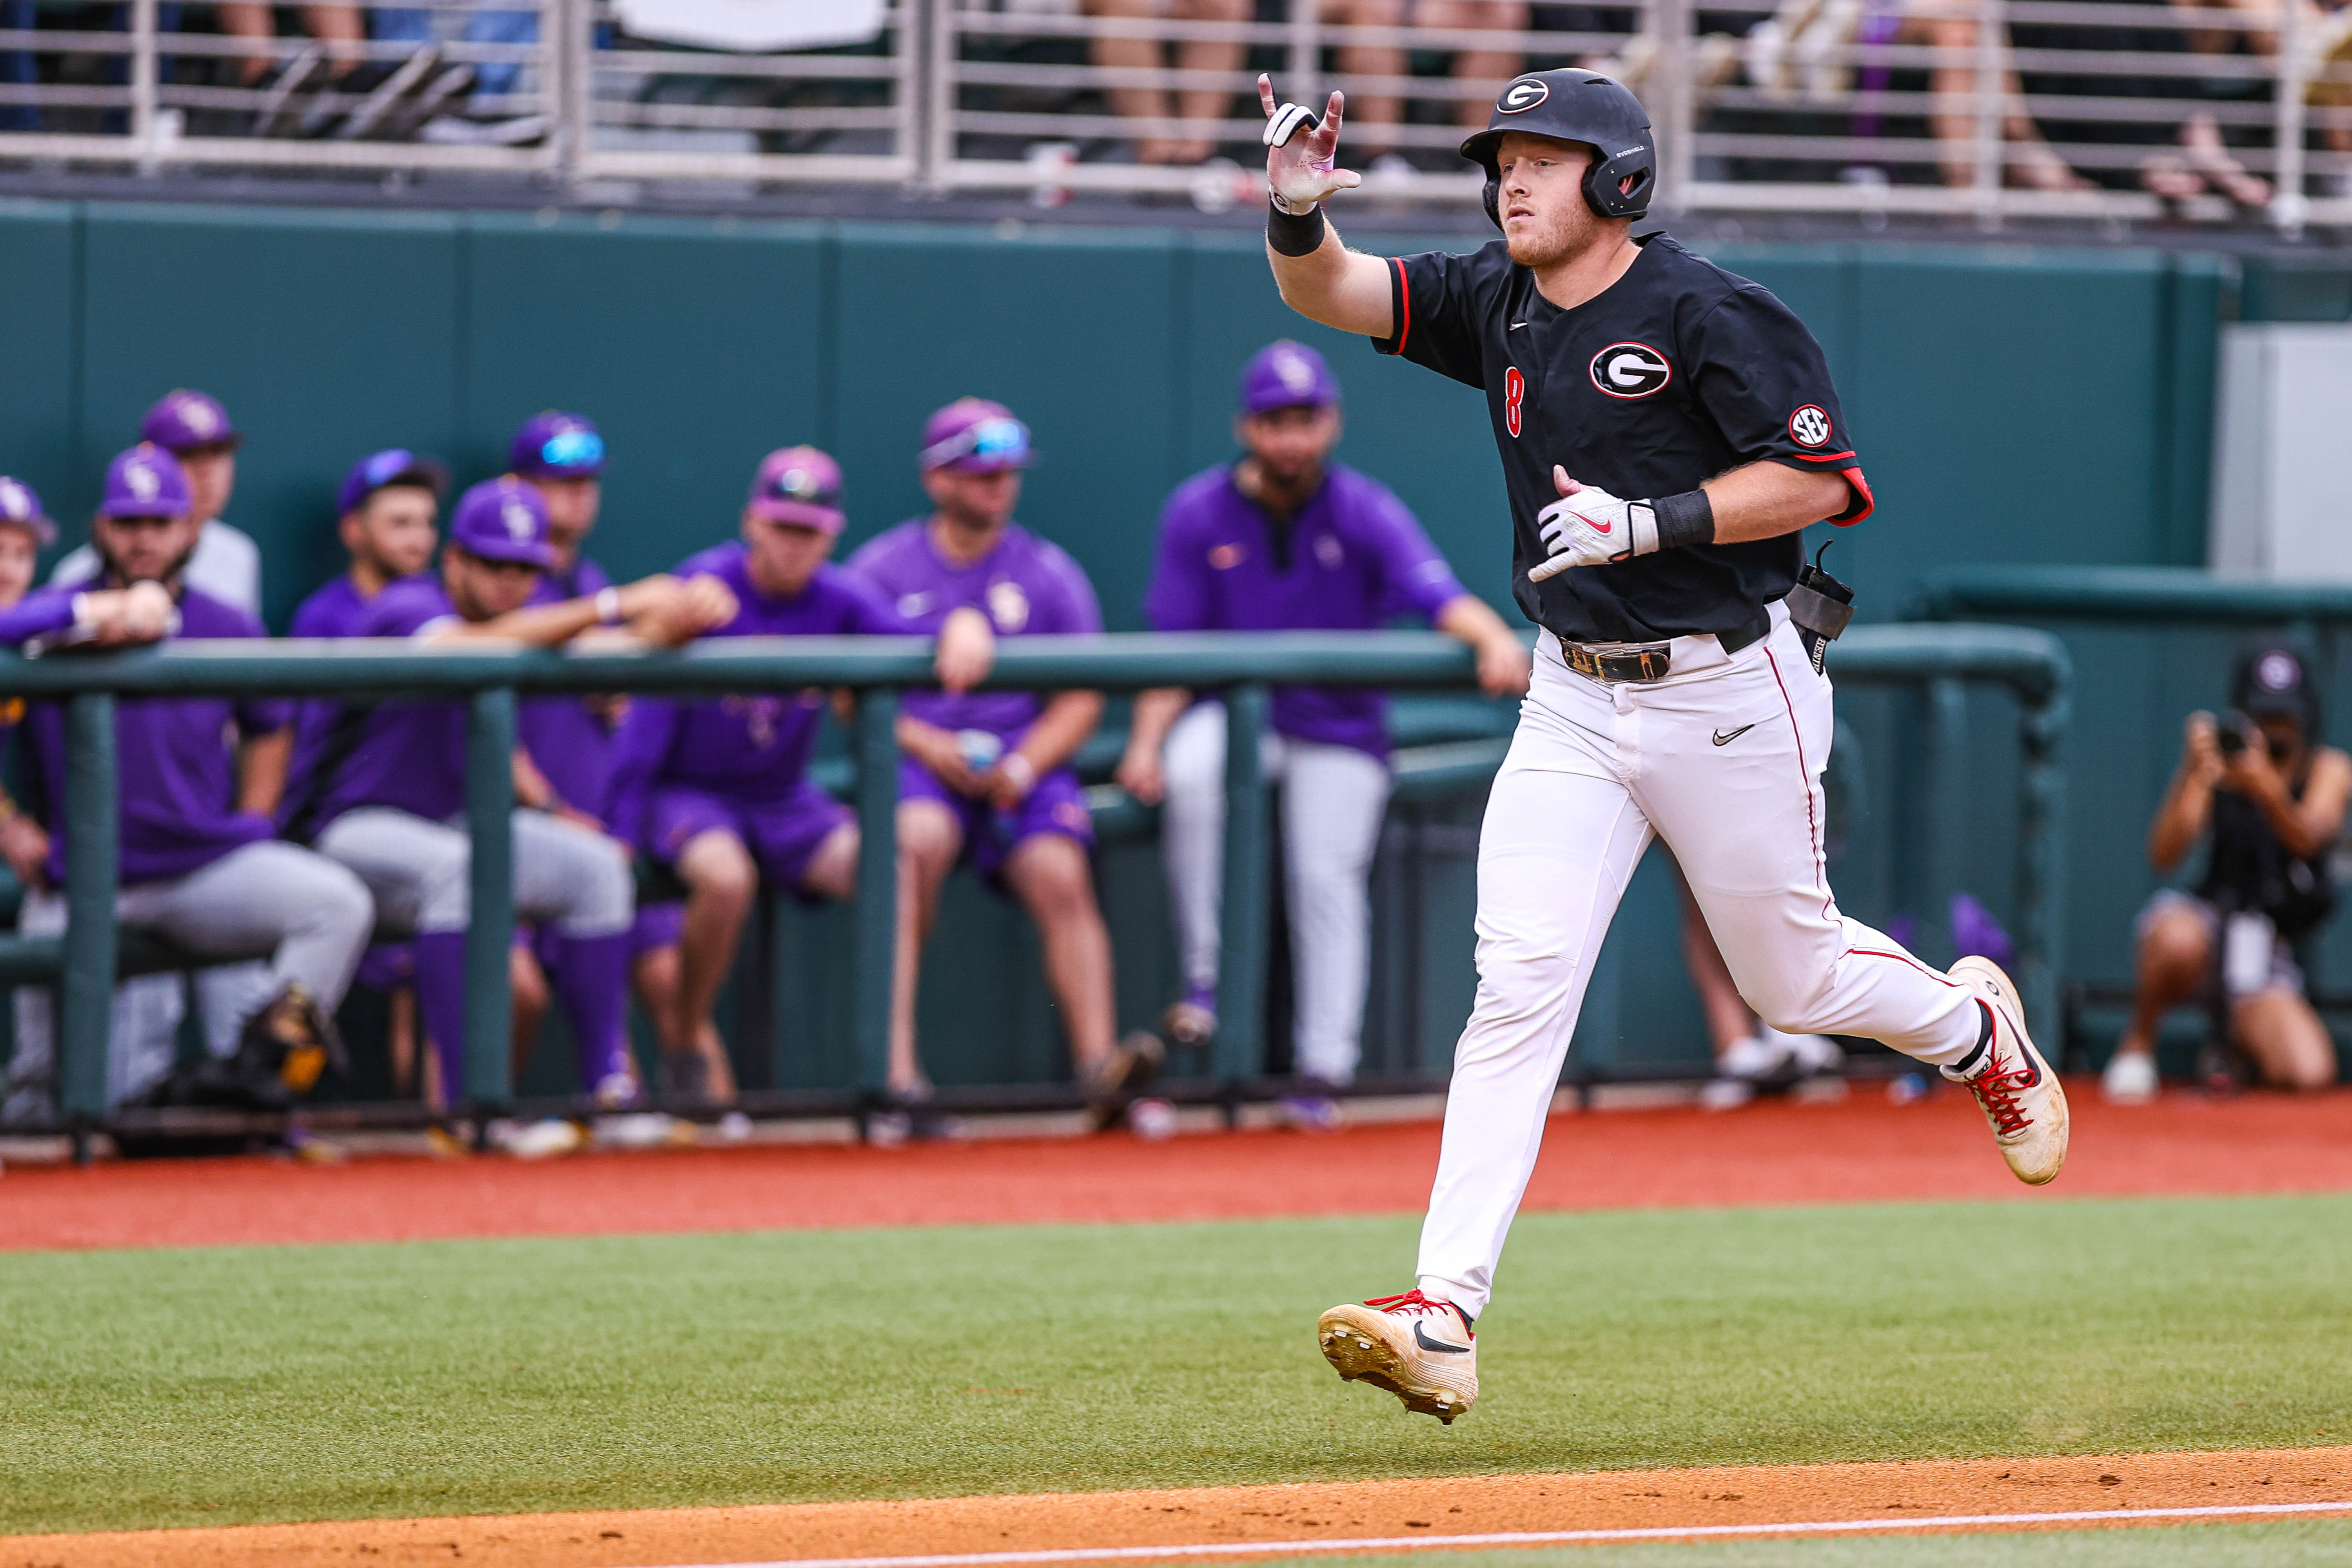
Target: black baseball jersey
<point>1674,374</point>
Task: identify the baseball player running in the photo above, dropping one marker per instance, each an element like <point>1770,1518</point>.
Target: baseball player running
<point>1284,541</point>
<point>719,790</point>
<point>201,862</point>
<point>1666,429</point>
<point>385,790</point>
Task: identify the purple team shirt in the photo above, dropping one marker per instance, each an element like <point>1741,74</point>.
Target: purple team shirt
<point>1025,586</point>
<point>177,770</point>
<point>748,749</point>
<point>567,737</point>
<point>334,611</point>
<point>407,755</point>
<point>1353,558</point>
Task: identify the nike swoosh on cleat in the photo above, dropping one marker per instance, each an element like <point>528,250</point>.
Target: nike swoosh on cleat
<point>1723,738</point>
<point>1421,1337</point>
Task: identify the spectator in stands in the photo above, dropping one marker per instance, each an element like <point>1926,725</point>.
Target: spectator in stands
<point>201,863</point>
<point>24,531</point>
<point>2204,161</point>
<point>385,796</point>
<point>2269,800</point>
<point>475,95</point>
<point>987,775</point>
<point>1368,111</point>
<point>1286,540</point>
<point>195,428</point>
<point>719,790</point>
<point>1806,42</point>
<point>566,766</point>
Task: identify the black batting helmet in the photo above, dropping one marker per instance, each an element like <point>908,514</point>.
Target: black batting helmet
<point>1572,105</point>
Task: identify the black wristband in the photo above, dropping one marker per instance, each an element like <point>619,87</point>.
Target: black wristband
<point>1294,236</point>
<point>1685,518</point>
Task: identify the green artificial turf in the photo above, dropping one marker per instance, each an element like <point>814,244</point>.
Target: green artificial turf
<point>219,1385</point>
<point>2299,1543</point>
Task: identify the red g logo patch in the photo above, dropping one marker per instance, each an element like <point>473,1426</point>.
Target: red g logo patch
<point>1808,426</point>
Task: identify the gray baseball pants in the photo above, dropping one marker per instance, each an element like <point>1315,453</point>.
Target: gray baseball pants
<point>419,869</point>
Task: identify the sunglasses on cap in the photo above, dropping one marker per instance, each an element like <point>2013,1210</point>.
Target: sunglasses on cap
<point>800,485</point>
<point>992,439</point>
<point>573,450</point>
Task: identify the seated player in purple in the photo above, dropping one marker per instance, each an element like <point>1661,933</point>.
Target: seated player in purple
<point>986,773</point>
<point>387,515</point>
<point>385,793</point>
<point>720,790</point>
<point>568,741</point>
<point>1285,540</point>
<point>24,531</point>
<point>201,862</point>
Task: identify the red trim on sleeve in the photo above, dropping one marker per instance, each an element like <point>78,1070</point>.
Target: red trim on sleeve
<point>1867,504</point>
<point>1405,304</point>
<point>1821,456</point>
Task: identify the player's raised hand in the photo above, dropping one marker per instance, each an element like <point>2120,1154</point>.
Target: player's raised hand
<point>1586,527</point>
<point>1302,153</point>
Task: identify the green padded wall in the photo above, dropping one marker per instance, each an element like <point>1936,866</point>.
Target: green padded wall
<point>2010,402</point>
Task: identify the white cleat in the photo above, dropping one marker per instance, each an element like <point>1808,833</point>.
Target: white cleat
<point>2014,1085</point>
<point>2130,1078</point>
<point>1419,1349</point>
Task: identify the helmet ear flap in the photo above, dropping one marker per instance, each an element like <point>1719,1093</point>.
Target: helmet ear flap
<point>1492,198</point>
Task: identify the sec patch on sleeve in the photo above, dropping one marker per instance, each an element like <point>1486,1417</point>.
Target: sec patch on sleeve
<point>1809,425</point>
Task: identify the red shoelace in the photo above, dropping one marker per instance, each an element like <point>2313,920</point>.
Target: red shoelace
<point>1996,1089</point>
<point>1413,1300</point>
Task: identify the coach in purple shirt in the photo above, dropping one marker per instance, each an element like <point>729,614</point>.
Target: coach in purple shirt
<point>200,862</point>
<point>1285,540</point>
<point>720,790</point>
<point>987,773</point>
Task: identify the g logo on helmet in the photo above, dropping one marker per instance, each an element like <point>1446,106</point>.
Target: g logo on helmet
<point>1627,370</point>
<point>1523,95</point>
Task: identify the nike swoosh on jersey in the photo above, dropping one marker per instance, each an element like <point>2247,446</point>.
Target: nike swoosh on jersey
<point>1723,738</point>
<point>1421,1337</point>
<point>1516,325</point>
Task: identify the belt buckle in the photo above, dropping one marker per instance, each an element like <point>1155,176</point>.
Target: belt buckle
<point>1617,662</point>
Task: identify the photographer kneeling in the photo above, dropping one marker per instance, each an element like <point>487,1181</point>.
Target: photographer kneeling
<point>2273,800</point>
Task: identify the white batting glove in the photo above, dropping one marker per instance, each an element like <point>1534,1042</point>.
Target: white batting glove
<point>1302,152</point>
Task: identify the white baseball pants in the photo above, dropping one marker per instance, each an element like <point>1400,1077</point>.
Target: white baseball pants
<point>1332,802</point>
<point>1723,760</point>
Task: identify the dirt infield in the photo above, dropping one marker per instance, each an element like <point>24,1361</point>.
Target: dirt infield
<point>1387,1510</point>
<point>1775,1152</point>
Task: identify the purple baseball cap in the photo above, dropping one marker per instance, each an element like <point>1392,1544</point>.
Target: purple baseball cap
<point>557,445</point>
<point>974,436</point>
<point>145,481</point>
<point>20,508</point>
<point>382,471</point>
<point>184,421</point>
<point>1286,374</point>
<point>502,519</point>
<point>799,485</point>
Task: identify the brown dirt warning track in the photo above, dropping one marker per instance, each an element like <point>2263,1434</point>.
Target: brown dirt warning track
<point>1774,1153</point>
<point>1397,1515</point>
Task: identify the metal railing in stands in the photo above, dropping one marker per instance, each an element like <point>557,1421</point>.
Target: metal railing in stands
<point>1982,110</point>
<point>1244,665</point>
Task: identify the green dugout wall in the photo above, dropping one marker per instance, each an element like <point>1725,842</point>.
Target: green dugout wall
<point>2011,404</point>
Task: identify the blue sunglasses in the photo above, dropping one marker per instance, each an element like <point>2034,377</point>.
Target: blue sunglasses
<point>999,438</point>
<point>573,450</point>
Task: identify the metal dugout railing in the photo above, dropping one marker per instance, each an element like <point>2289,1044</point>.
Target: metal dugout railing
<point>83,964</point>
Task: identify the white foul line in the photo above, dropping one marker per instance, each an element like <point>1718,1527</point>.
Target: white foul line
<point>1523,1538</point>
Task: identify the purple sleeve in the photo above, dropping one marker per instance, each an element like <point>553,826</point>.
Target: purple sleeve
<point>36,614</point>
<point>1178,599</point>
<point>1080,614</point>
<point>1416,576</point>
<point>872,612</point>
<point>638,753</point>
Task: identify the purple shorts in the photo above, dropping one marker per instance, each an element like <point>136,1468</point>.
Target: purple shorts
<point>783,835</point>
<point>1058,805</point>
<point>387,966</point>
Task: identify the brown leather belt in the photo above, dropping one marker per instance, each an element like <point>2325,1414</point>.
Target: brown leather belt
<point>1618,661</point>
